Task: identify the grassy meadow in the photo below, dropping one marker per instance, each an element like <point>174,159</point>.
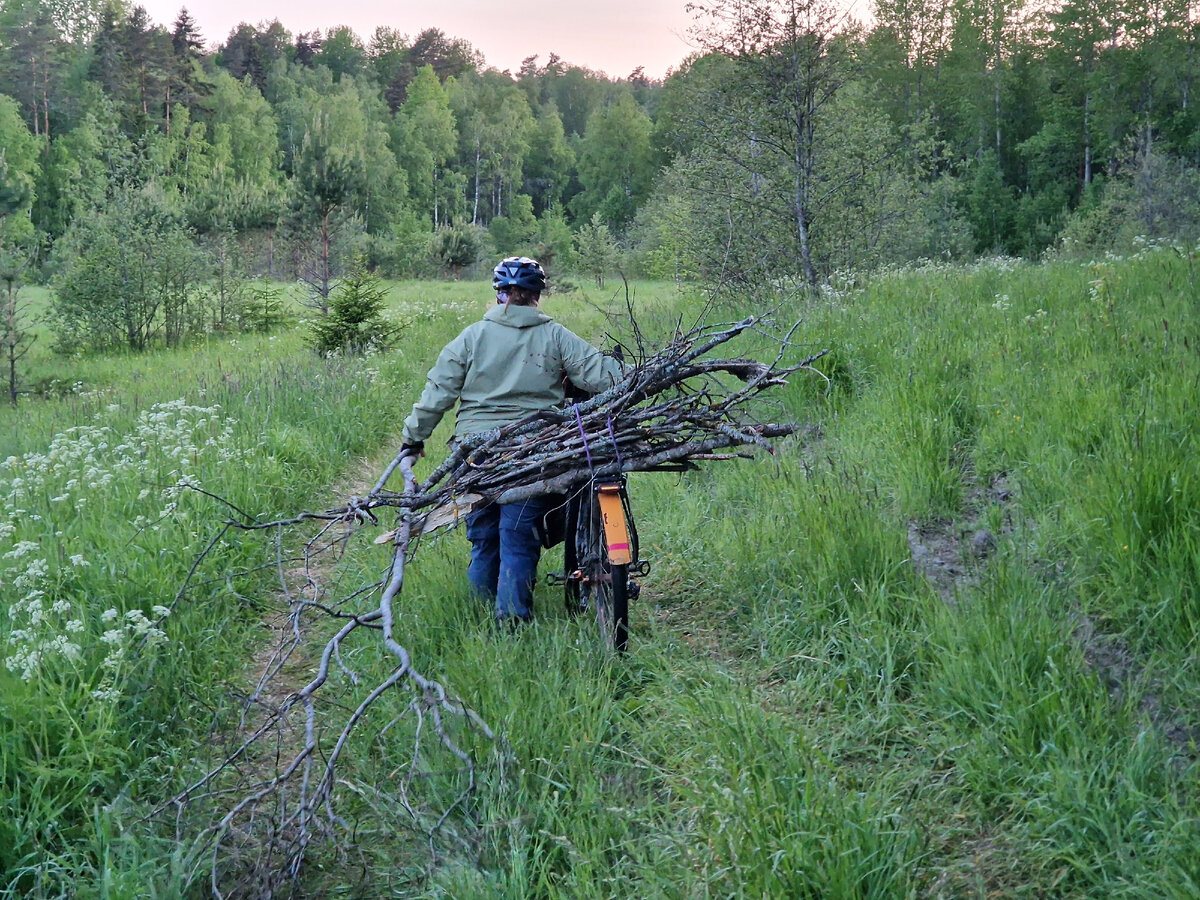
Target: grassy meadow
<point>941,644</point>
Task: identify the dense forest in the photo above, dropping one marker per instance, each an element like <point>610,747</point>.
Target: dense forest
<point>797,143</point>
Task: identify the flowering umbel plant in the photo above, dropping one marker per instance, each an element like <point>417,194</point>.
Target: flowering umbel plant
<point>57,507</point>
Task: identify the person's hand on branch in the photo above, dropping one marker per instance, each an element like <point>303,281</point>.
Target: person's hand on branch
<point>412,451</point>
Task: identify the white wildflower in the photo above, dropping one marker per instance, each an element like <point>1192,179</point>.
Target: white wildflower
<point>20,549</point>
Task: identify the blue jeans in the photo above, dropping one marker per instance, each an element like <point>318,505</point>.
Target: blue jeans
<point>505,547</point>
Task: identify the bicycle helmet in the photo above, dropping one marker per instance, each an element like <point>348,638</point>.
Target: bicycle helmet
<point>519,271</point>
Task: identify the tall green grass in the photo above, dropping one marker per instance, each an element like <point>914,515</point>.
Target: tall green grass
<point>114,677</point>
<point>801,714</point>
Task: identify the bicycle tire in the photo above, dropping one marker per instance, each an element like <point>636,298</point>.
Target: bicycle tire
<point>571,597</point>
<point>604,587</point>
<point>612,609</point>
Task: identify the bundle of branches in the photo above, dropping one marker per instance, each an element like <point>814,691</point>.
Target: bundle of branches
<point>670,410</point>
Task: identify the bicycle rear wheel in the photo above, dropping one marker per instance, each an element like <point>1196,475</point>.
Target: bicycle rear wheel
<point>603,587</point>
<point>612,609</point>
<point>576,507</point>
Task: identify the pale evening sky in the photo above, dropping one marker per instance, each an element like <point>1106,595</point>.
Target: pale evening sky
<point>612,36</point>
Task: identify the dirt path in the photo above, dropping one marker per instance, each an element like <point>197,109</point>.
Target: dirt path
<point>281,665</point>
<point>951,552</point>
<point>257,848</point>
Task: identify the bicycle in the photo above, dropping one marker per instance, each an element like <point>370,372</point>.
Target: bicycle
<point>600,556</point>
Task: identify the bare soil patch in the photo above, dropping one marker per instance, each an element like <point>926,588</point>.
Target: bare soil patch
<point>950,553</point>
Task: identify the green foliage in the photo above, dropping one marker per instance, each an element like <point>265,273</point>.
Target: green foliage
<point>596,250</point>
<point>245,188</point>
<point>80,169</point>
<point>329,166</point>
<point>495,126</point>
<point>405,251</point>
<point>342,52</point>
<point>132,61</point>
<point>1155,200</point>
<point>769,112</point>
<point>550,161</point>
<point>355,322</point>
<point>790,144</point>
<point>555,242</point>
<point>671,233</point>
<point>517,232</point>
<point>132,274</point>
<point>424,137</point>
<point>881,208</point>
<point>343,172</point>
<point>19,168</point>
<point>615,164</point>
<point>16,334</point>
<point>227,289</point>
<point>458,247</point>
<point>263,310</point>
<point>990,207</point>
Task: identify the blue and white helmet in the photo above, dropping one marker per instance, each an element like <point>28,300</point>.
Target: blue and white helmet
<point>519,271</point>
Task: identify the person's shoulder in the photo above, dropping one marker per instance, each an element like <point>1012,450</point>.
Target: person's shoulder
<point>464,338</point>
<point>481,324</point>
<point>566,334</point>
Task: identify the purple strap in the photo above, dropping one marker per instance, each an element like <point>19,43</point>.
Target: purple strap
<point>612,437</point>
<point>583,434</point>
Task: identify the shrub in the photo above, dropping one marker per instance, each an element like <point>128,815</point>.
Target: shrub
<point>516,233</point>
<point>596,250</point>
<point>263,310</point>
<point>1153,198</point>
<point>458,248</point>
<point>135,274</point>
<point>355,321</point>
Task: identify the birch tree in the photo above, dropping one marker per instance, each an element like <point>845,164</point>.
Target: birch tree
<point>789,63</point>
<point>425,135</point>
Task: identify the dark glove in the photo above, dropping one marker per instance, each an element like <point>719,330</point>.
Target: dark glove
<point>413,450</point>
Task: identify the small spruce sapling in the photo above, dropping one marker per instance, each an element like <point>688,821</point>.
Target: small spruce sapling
<point>355,321</point>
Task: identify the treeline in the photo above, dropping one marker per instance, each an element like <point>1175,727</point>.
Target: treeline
<point>795,143</point>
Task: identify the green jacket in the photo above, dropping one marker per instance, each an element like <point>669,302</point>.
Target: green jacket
<point>503,368</point>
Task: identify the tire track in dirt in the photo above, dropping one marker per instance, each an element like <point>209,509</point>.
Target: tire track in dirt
<point>952,553</point>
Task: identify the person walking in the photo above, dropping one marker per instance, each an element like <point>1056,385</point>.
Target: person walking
<point>513,362</point>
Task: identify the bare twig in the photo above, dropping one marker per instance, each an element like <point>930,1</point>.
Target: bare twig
<point>258,844</point>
